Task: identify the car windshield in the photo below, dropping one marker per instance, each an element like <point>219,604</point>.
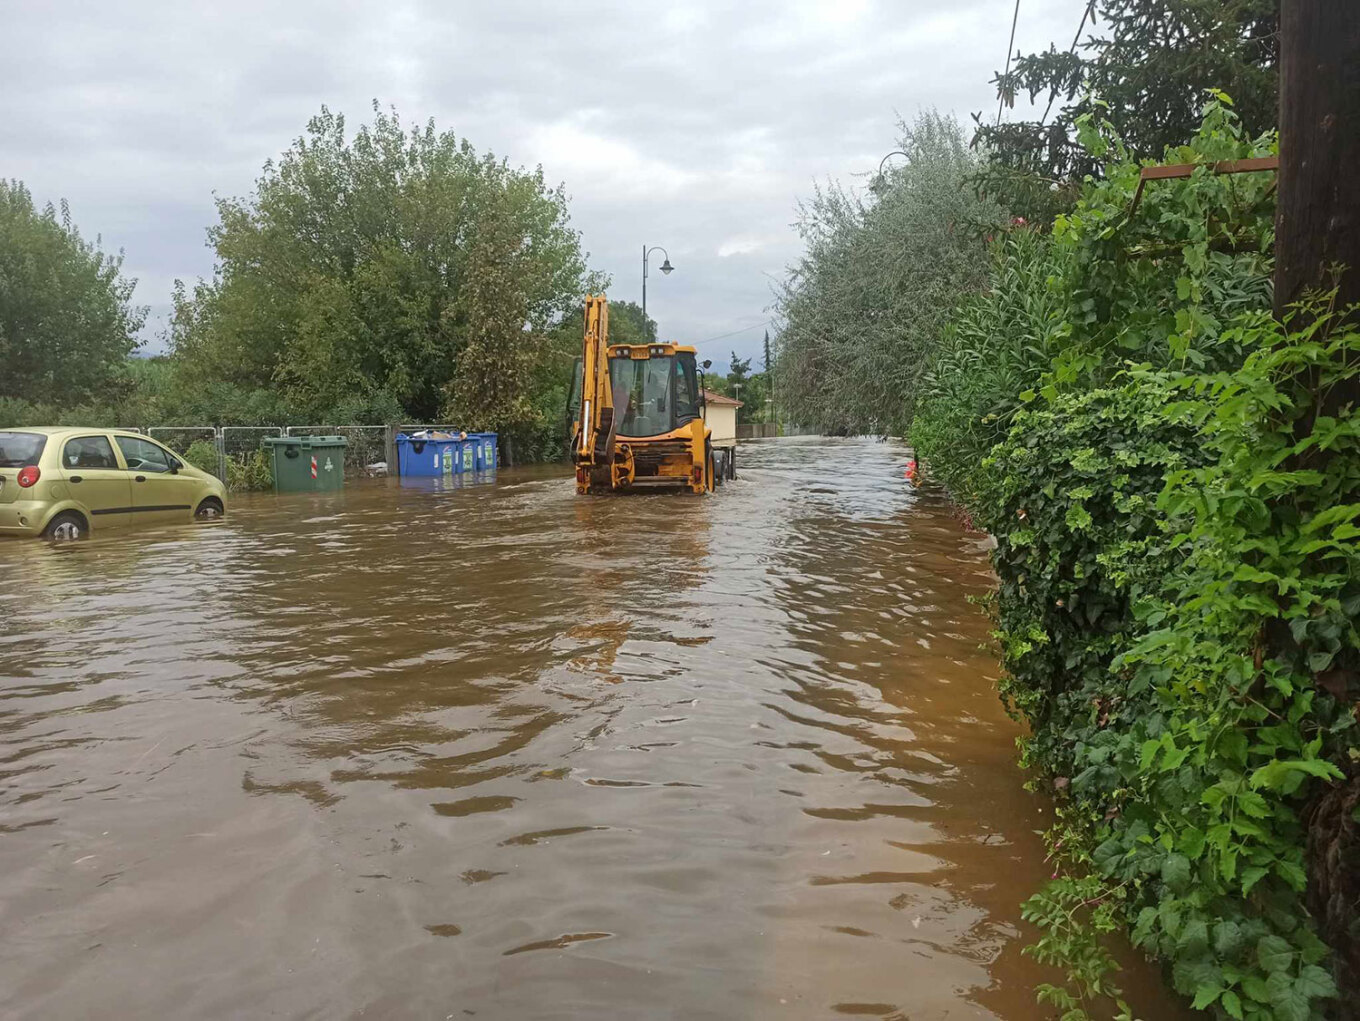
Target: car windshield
<point>20,449</point>
<point>653,395</point>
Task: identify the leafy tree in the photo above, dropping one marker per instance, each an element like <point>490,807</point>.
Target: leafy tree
<point>746,387</point>
<point>738,369</point>
<point>1147,71</point>
<point>626,324</point>
<point>394,269</point>
<point>67,322</point>
<point>867,303</point>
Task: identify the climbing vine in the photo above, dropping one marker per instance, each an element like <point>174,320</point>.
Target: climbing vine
<point>1176,505</point>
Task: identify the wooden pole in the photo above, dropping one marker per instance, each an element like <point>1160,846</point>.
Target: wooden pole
<point>1317,219</point>
<point>1317,247</point>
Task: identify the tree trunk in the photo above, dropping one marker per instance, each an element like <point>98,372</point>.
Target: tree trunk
<point>1317,247</point>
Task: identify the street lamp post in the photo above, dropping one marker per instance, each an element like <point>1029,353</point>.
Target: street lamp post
<point>878,178</point>
<point>665,267</point>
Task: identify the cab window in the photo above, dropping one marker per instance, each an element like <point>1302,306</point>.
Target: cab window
<point>88,452</point>
<point>686,389</point>
<point>143,455</point>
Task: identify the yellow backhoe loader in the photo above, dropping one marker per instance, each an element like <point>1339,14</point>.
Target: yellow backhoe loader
<point>637,414</point>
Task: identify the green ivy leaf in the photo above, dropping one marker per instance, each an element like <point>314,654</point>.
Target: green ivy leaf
<point>1176,872</point>
<point>1191,843</point>
<point>1316,982</point>
<point>1276,775</point>
<point>1232,1005</point>
<point>1274,953</point>
<point>1253,804</point>
<point>1227,939</point>
<point>1194,938</point>
<point>1206,995</point>
<point>1255,988</point>
<point>1285,996</point>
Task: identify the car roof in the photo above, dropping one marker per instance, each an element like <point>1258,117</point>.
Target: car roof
<point>63,430</point>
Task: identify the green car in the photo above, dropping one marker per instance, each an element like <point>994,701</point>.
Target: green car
<point>65,483</point>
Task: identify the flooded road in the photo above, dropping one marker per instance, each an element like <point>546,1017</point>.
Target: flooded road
<point>505,752</point>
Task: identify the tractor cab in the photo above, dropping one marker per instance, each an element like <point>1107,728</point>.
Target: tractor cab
<point>655,386</point>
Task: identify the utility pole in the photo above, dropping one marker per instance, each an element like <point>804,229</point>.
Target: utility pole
<point>1317,219</point>
<point>1317,247</point>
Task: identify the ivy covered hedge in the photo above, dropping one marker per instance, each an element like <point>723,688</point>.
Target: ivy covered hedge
<point>1176,515</point>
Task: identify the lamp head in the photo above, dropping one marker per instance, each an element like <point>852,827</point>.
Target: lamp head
<point>666,266</point>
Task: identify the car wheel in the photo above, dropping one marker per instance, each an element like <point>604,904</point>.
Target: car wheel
<point>66,527</point>
<point>209,509</point>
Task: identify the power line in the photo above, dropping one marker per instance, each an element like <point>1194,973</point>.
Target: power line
<point>724,336</point>
<point>1001,100</point>
<point>1086,12</point>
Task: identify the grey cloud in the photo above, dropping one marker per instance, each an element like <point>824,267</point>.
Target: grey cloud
<point>696,125</point>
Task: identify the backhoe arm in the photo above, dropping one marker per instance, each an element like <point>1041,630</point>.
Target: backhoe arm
<point>595,433</point>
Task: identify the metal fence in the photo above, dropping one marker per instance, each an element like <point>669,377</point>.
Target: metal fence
<point>240,443</point>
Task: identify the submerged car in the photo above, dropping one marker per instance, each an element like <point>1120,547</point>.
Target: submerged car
<point>65,483</point>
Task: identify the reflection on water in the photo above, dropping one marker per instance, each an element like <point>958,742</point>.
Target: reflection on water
<point>450,750</point>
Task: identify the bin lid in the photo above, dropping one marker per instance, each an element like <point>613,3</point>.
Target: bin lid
<point>402,438</point>
<point>306,441</point>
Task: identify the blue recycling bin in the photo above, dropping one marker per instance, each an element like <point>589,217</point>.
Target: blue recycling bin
<point>485,451</point>
<point>430,457</point>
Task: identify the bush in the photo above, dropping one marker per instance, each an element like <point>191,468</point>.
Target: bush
<point>252,471</point>
<point>1176,512</point>
<point>997,346</point>
<point>1071,497</point>
<point>203,456</point>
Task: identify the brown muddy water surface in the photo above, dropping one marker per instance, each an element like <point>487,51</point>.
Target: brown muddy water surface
<point>505,752</point>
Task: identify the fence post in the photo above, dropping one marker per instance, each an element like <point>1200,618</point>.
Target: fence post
<point>390,453</point>
<point>220,443</point>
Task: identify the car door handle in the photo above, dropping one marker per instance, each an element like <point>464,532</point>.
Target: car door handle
<point>139,478</point>
<point>74,478</point>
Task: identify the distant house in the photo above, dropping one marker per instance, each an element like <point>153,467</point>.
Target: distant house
<point>720,413</point>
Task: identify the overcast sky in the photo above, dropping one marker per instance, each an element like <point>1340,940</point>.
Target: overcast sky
<point>693,125</point>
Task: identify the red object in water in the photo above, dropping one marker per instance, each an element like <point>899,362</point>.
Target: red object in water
<point>910,473</point>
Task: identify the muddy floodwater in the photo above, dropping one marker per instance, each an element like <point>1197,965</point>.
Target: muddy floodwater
<point>501,751</point>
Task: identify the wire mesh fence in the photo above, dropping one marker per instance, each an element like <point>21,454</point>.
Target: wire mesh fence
<point>246,463</point>
<point>197,444</point>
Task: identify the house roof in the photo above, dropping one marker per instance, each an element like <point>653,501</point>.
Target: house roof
<point>720,399</point>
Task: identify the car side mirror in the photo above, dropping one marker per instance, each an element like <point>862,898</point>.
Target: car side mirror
<point>175,466</point>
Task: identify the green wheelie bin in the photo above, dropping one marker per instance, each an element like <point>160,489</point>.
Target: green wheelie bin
<point>307,464</point>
